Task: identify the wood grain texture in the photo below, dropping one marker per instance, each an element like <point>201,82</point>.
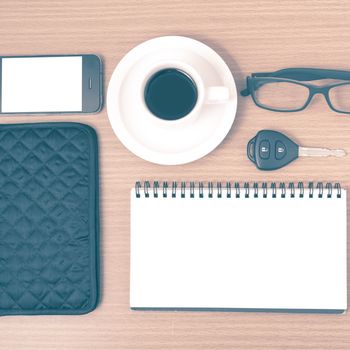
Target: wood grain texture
<point>250,36</point>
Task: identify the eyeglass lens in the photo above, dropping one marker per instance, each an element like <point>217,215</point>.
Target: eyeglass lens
<point>340,97</point>
<point>282,95</point>
<point>289,96</point>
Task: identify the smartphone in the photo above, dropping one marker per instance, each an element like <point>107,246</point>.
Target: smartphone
<point>50,84</point>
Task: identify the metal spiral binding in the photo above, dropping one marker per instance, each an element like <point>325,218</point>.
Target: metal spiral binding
<point>146,188</point>
<point>173,189</point>
<point>338,188</point>
<point>264,187</point>
<point>319,186</point>
<point>237,190</point>
<point>210,189</point>
<point>256,189</point>
<point>192,185</point>
<point>219,189</point>
<point>311,189</point>
<point>228,189</point>
<point>201,190</point>
<point>224,190</point>
<point>301,189</point>
<point>283,189</point>
<point>165,189</point>
<point>246,189</point>
<point>155,188</point>
<point>273,188</point>
<point>291,189</point>
<point>183,189</point>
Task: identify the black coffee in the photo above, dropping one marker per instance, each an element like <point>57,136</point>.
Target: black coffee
<point>170,94</point>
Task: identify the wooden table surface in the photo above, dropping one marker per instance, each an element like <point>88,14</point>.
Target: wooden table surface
<point>251,36</point>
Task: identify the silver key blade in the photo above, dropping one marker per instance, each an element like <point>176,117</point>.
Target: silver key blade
<point>320,152</point>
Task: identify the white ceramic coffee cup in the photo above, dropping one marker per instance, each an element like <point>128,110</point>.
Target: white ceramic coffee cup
<point>205,94</point>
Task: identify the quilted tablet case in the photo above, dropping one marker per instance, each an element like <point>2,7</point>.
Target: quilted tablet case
<point>49,219</point>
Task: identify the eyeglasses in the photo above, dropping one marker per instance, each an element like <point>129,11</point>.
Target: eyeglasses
<point>284,91</point>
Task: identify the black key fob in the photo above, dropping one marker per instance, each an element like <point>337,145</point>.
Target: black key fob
<point>271,150</point>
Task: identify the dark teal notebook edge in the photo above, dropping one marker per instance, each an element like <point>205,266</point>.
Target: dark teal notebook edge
<point>260,310</point>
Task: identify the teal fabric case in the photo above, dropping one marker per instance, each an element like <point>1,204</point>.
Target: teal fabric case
<point>49,219</point>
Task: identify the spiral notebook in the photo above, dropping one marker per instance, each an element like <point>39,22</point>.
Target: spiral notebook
<point>245,247</point>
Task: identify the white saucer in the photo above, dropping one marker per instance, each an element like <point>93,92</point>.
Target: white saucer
<point>165,142</point>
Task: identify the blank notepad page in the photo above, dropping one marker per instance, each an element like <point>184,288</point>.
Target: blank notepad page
<point>238,253</point>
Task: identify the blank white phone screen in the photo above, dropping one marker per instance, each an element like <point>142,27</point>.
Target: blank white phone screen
<point>41,84</point>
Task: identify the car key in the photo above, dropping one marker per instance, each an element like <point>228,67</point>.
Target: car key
<point>271,150</point>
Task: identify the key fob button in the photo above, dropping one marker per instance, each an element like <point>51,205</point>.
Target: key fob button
<point>280,151</point>
<point>264,149</point>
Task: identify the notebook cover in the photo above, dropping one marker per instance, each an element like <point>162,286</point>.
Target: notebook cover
<point>49,219</point>
<point>272,247</point>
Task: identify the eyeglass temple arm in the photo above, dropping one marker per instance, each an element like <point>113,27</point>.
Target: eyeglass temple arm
<point>302,74</point>
<point>307,74</point>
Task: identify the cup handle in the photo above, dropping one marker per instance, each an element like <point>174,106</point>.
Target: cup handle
<point>217,94</point>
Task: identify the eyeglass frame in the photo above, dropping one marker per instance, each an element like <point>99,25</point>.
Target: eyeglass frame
<point>295,76</point>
